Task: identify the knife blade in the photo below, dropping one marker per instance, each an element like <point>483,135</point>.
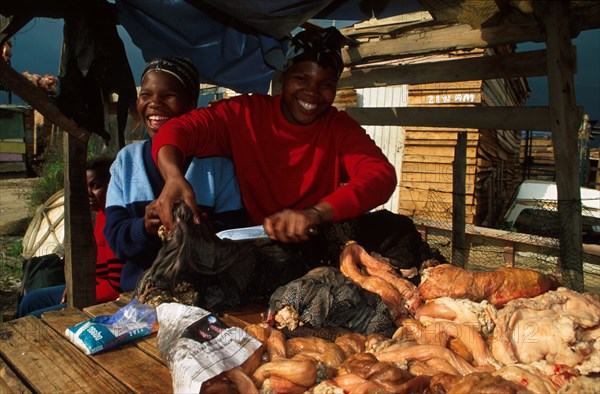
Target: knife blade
<point>237,234</point>
<point>255,232</point>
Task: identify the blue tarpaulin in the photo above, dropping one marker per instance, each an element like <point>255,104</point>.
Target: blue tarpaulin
<point>223,52</point>
<point>236,44</point>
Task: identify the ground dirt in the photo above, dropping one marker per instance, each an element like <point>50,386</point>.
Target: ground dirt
<point>15,216</point>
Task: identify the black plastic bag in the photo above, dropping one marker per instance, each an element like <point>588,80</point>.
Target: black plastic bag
<point>42,271</point>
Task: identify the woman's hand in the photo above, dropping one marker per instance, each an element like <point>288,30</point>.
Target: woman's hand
<point>176,188</point>
<point>291,225</point>
<point>151,219</point>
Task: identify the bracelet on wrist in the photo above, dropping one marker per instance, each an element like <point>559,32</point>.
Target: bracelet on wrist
<point>319,213</point>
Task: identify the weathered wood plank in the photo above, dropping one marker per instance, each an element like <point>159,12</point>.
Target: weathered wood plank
<point>13,166</point>
<point>421,196</point>
<point>419,158</point>
<point>18,84</point>
<point>427,39</point>
<point>504,118</point>
<point>250,313</point>
<point>9,382</point>
<point>520,241</point>
<point>459,170</point>
<point>128,364</point>
<point>441,150</point>
<point>439,187</point>
<point>50,363</point>
<point>524,64</point>
<point>441,38</point>
<point>564,121</point>
<point>79,244</point>
<point>440,141</point>
<point>427,133</point>
<point>474,13</point>
<point>432,179</point>
<point>12,147</point>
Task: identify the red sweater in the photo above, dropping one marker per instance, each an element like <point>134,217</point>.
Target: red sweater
<point>108,267</point>
<point>281,165</point>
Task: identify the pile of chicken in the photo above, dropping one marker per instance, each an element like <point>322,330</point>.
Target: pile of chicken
<point>505,331</point>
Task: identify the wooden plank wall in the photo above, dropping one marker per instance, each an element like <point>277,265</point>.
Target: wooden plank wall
<point>541,158</point>
<point>493,164</point>
<point>426,180</point>
<point>500,169</point>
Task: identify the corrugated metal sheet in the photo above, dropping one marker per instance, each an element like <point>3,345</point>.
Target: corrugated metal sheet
<point>389,138</point>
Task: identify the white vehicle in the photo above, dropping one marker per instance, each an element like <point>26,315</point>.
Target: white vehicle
<point>533,210</point>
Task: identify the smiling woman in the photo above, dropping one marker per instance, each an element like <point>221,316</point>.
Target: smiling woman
<point>169,89</point>
<point>299,160</point>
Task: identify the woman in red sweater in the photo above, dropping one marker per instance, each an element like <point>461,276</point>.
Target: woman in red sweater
<point>298,160</point>
<point>108,267</point>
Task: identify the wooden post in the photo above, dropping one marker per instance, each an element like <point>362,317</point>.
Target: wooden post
<point>459,176</point>
<point>17,83</point>
<point>80,251</point>
<point>564,123</point>
<point>509,254</point>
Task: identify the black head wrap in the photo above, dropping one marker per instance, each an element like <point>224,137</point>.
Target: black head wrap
<point>181,68</point>
<point>318,45</point>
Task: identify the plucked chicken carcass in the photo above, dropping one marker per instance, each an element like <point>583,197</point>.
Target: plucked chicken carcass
<point>497,287</point>
<point>561,327</point>
<point>477,382</point>
<point>481,316</point>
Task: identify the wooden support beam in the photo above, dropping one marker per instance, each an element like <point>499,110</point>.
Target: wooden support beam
<point>524,64</point>
<point>23,88</point>
<point>459,171</point>
<point>13,24</point>
<point>441,39</point>
<point>564,122</point>
<point>80,253</point>
<point>509,255</point>
<point>503,118</point>
<point>450,37</point>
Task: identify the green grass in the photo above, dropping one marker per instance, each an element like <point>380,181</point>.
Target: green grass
<point>11,268</point>
<point>51,178</point>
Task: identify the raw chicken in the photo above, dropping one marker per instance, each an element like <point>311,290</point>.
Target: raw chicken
<point>480,316</point>
<point>560,326</point>
<point>497,287</point>
<point>477,382</point>
<point>527,376</point>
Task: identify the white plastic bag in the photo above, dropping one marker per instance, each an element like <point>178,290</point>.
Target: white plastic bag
<point>197,346</point>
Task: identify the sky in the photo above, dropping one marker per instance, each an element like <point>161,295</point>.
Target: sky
<point>36,48</point>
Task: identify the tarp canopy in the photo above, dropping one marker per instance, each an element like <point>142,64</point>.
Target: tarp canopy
<point>236,44</point>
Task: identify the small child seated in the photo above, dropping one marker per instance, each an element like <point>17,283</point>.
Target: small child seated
<point>108,267</point>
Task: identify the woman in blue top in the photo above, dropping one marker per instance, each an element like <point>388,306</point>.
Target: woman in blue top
<point>169,88</point>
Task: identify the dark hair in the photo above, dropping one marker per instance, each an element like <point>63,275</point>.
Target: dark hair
<point>101,166</point>
<point>319,45</point>
<point>181,68</point>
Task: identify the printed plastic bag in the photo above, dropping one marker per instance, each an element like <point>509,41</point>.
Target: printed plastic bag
<point>197,346</point>
<point>99,333</point>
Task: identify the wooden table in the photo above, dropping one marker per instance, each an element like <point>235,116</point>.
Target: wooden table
<point>37,357</point>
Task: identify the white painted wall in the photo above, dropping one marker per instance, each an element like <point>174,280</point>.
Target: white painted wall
<point>389,138</point>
